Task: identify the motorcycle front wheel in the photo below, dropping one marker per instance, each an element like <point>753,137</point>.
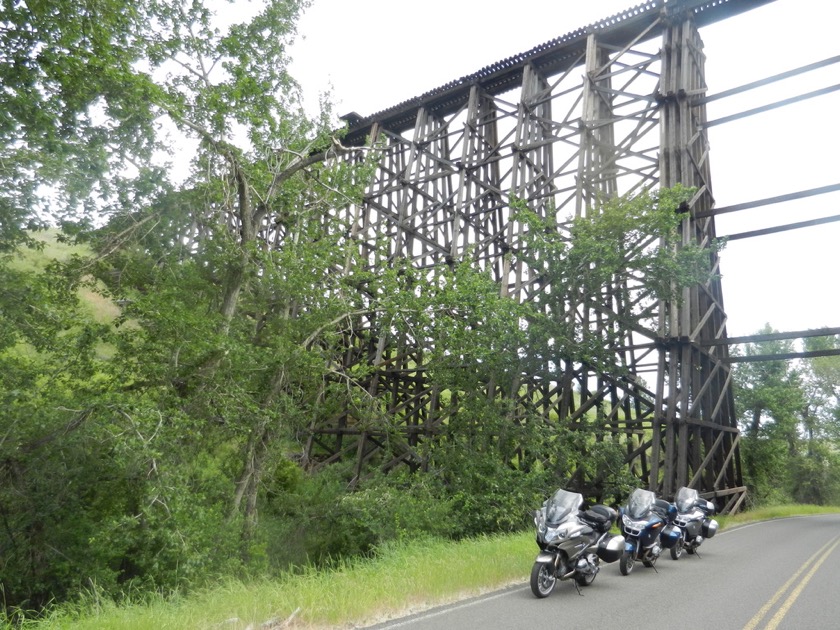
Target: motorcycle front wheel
<point>542,579</point>
<point>625,564</point>
<point>677,550</point>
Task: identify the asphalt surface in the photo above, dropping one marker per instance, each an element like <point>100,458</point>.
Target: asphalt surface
<point>776,575</point>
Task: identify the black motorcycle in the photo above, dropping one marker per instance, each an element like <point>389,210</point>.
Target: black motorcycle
<point>572,542</point>
<point>693,520</point>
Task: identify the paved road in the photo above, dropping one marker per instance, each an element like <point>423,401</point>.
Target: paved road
<point>776,575</point>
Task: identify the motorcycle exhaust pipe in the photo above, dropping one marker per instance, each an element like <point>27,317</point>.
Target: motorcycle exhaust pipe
<point>559,565</point>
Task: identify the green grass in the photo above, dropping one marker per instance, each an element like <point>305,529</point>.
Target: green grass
<point>30,259</point>
<point>402,579</point>
<point>94,303</point>
<point>100,308</point>
<point>772,512</point>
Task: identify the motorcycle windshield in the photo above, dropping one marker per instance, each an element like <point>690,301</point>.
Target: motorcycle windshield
<point>640,503</point>
<point>686,499</point>
<point>561,505</point>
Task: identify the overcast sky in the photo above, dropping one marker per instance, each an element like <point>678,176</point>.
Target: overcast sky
<point>377,53</point>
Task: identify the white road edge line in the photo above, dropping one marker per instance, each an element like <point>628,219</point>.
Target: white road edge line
<point>430,615</point>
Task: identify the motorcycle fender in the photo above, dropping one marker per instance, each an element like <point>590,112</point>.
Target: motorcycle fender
<point>629,546</point>
<point>545,558</point>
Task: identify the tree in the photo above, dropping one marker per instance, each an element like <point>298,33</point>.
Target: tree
<point>75,110</point>
<point>769,395</point>
<point>816,479</point>
<point>789,415</point>
<point>257,225</point>
<point>823,377</point>
<point>209,369</point>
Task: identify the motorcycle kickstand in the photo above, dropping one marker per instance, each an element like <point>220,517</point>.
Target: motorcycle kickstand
<point>577,588</point>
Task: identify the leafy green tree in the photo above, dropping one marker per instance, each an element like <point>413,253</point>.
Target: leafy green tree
<point>770,397</point>
<point>817,478</point>
<point>626,242</point>
<point>210,369</point>
<point>76,112</point>
<point>770,392</point>
<point>822,415</point>
<point>789,418</point>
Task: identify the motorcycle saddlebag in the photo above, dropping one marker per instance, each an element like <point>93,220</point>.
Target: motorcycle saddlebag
<point>710,527</point>
<point>610,550</point>
<point>669,536</point>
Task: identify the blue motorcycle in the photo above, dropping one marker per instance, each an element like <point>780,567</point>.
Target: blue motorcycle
<point>647,524</point>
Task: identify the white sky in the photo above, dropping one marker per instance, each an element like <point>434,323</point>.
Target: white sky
<point>378,53</point>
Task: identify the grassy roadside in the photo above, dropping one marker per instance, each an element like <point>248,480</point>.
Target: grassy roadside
<point>404,578</point>
<point>769,513</point>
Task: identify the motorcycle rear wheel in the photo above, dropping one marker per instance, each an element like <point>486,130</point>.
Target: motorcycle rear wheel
<point>625,564</point>
<point>542,579</point>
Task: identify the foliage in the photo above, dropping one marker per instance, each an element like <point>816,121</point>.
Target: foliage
<point>789,419</point>
<point>149,455</point>
<point>629,249</point>
<point>74,107</point>
<point>332,524</point>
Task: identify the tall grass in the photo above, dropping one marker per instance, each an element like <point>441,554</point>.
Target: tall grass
<point>400,579</point>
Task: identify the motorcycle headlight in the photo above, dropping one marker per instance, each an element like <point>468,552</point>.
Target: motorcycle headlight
<point>633,524</point>
<point>554,534</point>
<point>539,521</point>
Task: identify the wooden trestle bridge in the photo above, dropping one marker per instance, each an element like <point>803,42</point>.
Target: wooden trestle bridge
<point>614,108</point>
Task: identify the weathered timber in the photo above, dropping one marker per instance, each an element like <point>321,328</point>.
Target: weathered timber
<point>614,108</point>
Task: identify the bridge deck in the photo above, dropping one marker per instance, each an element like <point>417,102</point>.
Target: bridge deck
<point>552,57</point>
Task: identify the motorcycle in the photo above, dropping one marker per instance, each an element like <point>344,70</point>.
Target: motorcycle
<point>572,542</point>
<point>647,524</point>
<point>693,521</point>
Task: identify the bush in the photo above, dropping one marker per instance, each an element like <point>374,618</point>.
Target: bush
<point>320,521</point>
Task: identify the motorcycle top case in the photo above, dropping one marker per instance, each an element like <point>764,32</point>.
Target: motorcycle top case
<point>710,527</point>
<point>669,536</point>
<point>600,517</point>
<point>610,550</point>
